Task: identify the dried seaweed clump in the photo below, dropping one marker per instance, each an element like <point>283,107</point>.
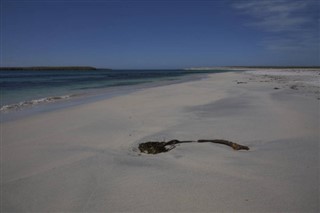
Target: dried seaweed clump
<point>154,147</point>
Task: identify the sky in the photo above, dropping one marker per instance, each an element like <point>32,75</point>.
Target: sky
<point>160,34</point>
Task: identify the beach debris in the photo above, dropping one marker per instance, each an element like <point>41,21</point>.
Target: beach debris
<point>276,88</point>
<point>294,87</point>
<point>235,146</point>
<point>155,147</point>
<point>242,82</point>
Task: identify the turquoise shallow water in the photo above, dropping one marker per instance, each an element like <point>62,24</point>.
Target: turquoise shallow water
<point>23,88</point>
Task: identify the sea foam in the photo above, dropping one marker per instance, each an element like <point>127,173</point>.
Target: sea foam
<point>23,104</point>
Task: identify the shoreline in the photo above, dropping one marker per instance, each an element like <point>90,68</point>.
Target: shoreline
<point>85,158</point>
<point>94,95</point>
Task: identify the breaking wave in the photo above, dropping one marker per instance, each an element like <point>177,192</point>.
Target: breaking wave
<point>31,103</point>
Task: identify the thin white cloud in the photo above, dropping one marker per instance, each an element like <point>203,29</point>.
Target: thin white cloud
<point>281,23</point>
<point>292,24</point>
<point>263,7</point>
<point>292,43</point>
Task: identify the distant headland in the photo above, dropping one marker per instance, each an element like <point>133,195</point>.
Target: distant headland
<point>251,67</point>
<point>53,68</point>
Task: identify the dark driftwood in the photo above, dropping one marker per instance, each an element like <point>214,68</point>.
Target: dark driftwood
<point>154,147</point>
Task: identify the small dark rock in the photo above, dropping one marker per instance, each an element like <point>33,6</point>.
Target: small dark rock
<point>294,87</point>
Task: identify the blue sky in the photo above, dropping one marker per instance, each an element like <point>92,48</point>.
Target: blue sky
<point>159,34</point>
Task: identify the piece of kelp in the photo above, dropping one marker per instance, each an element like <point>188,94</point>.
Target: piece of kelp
<point>155,147</point>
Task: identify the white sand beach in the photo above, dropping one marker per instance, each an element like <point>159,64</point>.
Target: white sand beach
<point>85,158</point>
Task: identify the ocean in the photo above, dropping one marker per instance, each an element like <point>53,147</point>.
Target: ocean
<point>26,88</point>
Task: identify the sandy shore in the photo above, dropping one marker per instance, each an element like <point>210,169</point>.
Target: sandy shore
<point>85,158</point>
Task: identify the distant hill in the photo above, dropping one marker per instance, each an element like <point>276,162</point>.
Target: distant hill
<point>50,68</point>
